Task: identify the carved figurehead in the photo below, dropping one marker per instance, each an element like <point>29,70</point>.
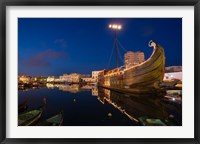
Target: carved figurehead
<point>152,44</point>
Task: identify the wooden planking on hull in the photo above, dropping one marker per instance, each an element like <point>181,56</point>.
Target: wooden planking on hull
<point>153,67</point>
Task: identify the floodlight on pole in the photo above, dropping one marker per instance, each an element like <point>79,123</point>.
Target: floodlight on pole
<point>115,27</point>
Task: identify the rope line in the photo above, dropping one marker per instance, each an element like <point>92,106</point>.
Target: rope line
<point>111,55</point>
<point>120,56</point>
<point>121,45</point>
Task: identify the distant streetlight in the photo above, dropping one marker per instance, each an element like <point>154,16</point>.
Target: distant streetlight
<point>115,27</point>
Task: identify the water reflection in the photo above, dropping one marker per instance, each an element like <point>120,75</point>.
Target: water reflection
<point>133,107</point>
<point>94,91</point>
<point>73,88</point>
<point>141,110</point>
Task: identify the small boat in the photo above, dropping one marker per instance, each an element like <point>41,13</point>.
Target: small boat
<point>22,106</point>
<point>145,121</point>
<point>56,120</point>
<point>30,117</point>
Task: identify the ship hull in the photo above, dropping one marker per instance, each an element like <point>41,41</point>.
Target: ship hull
<point>147,74</point>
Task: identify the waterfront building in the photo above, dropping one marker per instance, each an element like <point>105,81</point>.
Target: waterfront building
<point>50,78</point>
<point>75,77</point>
<point>53,79</point>
<point>85,75</point>
<point>41,79</point>
<point>24,79</point>
<point>70,78</point>
<point>133,58</point>
<point>57,80</point>
<point>173,69</point>
<point>95,75</point>
<point>34,79</point>
<point>173,75</point>
<point>66,78</point>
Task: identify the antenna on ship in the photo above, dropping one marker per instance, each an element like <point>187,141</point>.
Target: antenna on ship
<point>115,27</point>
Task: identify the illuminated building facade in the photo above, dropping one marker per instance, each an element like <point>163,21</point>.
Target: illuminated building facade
<point>133,58</point>
<point>95,75</point>
<point>24,79</point>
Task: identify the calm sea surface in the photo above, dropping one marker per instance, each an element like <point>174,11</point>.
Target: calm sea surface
<point>92,106</point>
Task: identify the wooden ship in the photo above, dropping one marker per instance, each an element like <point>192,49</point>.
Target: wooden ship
<point>144,77</point>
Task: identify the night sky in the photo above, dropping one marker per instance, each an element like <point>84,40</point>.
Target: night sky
<point>54,46</point>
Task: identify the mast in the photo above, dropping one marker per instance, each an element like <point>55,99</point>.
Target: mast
<point>115,27</point>
<point>116,48</point>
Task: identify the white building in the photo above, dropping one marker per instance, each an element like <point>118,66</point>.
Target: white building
<point>133,58</point>
<point>173,75</point>
<point>173,69</point>
<point>53,79</point>
<point>95,75</point>
<point>66,78</point>
<point>24,79</point>
<point>57,80</point>
<point>50,79</point>
<point>71,78</point>
<point>74,77</point>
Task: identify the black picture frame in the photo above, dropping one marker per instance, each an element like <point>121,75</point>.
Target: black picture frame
<point>5,3</point>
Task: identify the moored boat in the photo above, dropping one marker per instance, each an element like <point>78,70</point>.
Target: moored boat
<point>141,78</point>
<point>145,121</point>
<point>56,120</point>
<point>30,117</point>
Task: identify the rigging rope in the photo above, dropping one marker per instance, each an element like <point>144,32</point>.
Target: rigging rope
<point>122,49</point>
<point>120,57</point>
<point>111,56</point>
<point>118,42</point>
<point>121,45</point>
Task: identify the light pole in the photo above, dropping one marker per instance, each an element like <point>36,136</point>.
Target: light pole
<point>115,27</point>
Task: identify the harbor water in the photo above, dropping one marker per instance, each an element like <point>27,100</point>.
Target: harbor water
<point>93,106</point>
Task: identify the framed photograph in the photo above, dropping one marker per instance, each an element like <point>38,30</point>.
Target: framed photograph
<point>99,72</point>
